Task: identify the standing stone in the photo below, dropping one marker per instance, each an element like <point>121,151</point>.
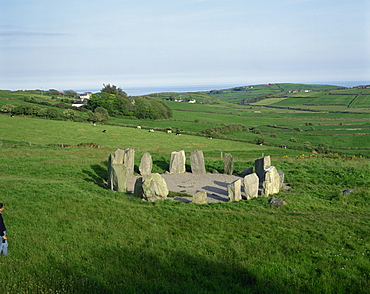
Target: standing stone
<point>260,165</point>
<point>146,164</point>
<point>177,162</point>
<point>197,162</point>
<point>200,198</point>
<point>129,160</point>
<point>228,164</point>
<point>246,172</point>
<point>281,175</point>
<point>251,183</point>
<point>271,185</point>
<point>117,178</point>
<point>234,191</point>
<point>118,156</point>
<point>152,188</point>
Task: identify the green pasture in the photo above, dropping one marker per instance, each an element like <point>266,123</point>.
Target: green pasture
<point>362,101</point>
<point>41,132</point>
<point>269,101</point>
<point>289,101</point>
<point>332,100</point>
<point>68,234</point>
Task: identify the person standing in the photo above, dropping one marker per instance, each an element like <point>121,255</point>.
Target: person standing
<point>3,241</point>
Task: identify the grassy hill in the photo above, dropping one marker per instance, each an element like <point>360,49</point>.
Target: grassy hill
<point>249,94</point>
<point>68,234</point>
<point>348,99</point>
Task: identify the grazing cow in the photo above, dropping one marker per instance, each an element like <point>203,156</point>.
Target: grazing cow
<point>178,134</point>
<point>151,131</point>
<point>138,127</point>
<point>283,146</point>
<point>209,137</point>
<point>169,131</point>
<point>104,131</point>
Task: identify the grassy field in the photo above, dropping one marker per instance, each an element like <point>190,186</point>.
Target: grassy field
<point>68,234</point>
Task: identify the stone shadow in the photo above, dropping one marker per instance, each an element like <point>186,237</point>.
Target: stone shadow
<point>98,175</point>
<point>161,164</point>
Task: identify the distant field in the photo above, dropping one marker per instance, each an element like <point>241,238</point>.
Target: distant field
<point>362,101</point>
<point>269,101</point>
<point>332,100</point>
<point>289,101</point>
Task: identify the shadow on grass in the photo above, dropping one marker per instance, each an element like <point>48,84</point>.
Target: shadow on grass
<point>98,175</point>
<point>155,271</point>
<point>160,166</point>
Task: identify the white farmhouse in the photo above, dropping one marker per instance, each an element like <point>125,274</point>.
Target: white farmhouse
<point>85,96</point>
<point>79,103</point>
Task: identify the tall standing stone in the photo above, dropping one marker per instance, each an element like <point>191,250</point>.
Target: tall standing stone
<point>260,165</point>
<point>271,185</point>
<point>197,162</point>
<point>200,198</point>
<point>129,160</point>
<point>228,164</point>
<point>234,191</point>
<point>177,162</point>
<point>146,164</point>
<point>154,187</point>
<point>117,178</point>
<point>251,184</point>
<point>118,156</point>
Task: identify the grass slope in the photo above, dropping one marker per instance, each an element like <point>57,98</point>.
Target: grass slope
<point>67,234</point>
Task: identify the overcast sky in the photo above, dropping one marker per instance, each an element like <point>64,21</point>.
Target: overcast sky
<point>83,44</point>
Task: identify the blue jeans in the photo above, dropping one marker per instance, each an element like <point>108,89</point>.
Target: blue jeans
<point>4,246</point>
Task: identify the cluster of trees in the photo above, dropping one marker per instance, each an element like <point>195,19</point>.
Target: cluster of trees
<point>30,110</point>
<point>111,101</point>
<point>98,115</point>
<point>117,103</point>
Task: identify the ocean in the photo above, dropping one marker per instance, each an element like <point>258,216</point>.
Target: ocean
<point>138,91</point>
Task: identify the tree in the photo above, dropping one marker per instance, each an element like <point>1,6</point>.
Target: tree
<point>52,92</point>
<point>113,90</point>
<point>52,113</point>
<point>323,148</point>
<point>116,105</point>
<point>307,146</point>
<point>101,114</point>
<point>70,93</point>
<point>70,114</point>
<point>7,108</point>
<point>259,139</point>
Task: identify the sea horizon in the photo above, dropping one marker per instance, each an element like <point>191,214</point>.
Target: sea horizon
<point>146,90</point>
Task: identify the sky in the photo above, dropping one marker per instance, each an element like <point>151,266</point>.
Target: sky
<point>135,43</point>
